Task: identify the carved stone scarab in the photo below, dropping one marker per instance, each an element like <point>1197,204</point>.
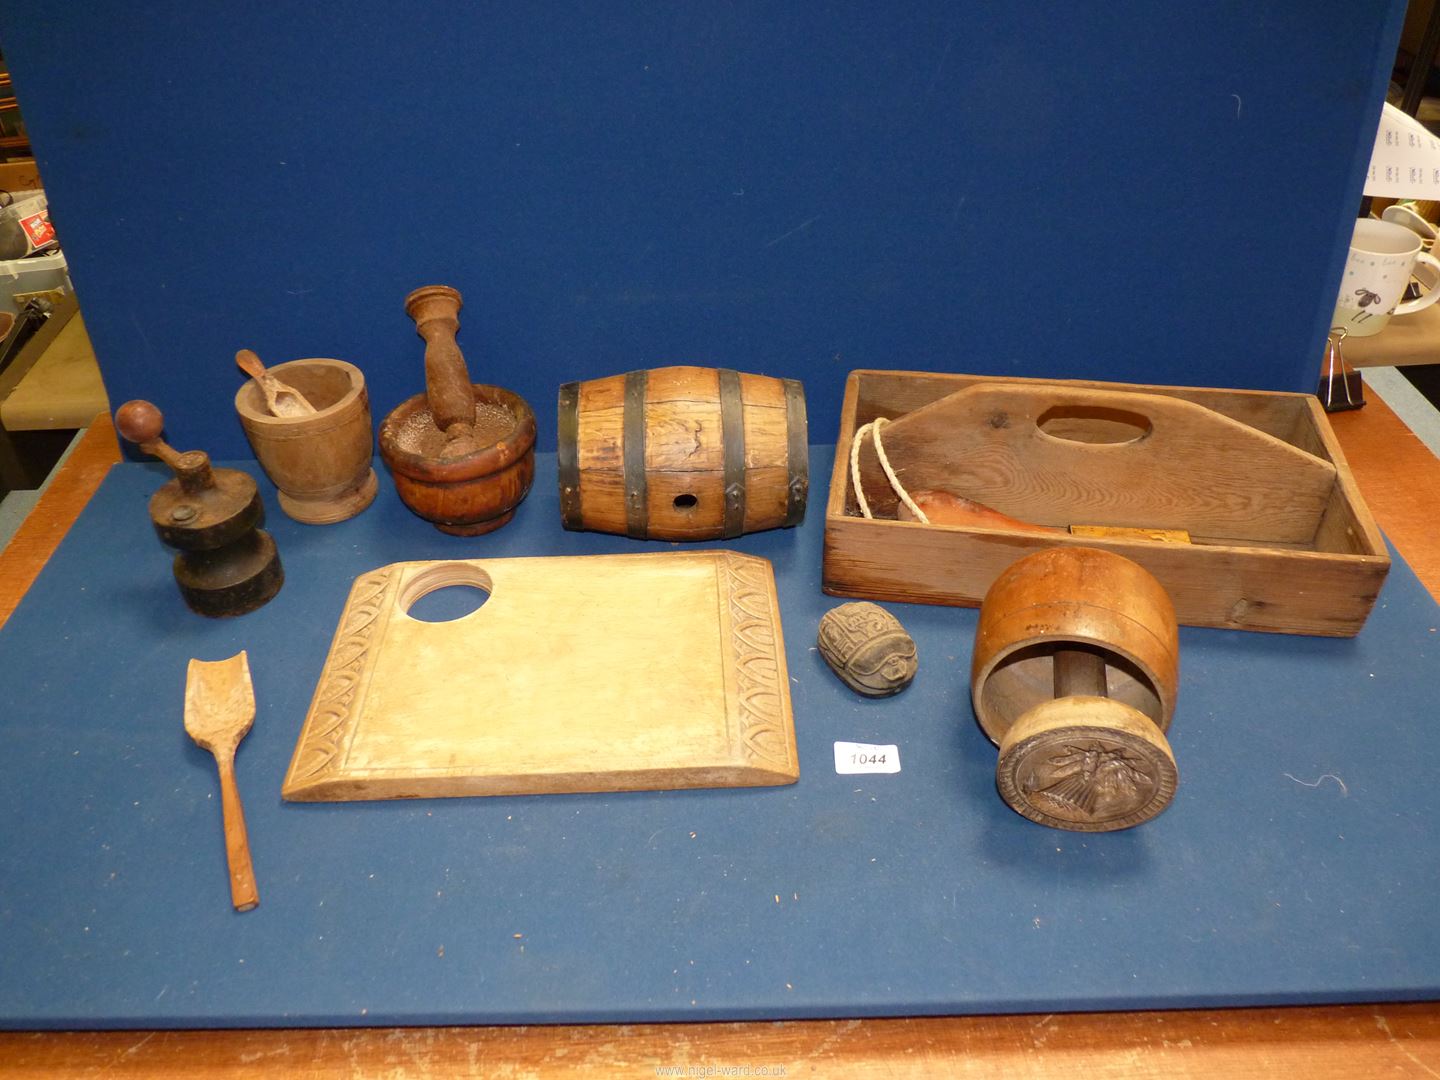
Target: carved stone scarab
<point>868,648</point>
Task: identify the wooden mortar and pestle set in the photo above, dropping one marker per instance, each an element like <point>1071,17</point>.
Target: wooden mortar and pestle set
<point>308,422</point>
<point>462,454</point>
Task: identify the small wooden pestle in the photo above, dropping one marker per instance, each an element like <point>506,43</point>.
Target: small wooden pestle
<point>448,390</point>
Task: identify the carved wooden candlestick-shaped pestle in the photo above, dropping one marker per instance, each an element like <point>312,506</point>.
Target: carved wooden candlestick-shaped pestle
<point>462,454</point>
<point>227,565</point>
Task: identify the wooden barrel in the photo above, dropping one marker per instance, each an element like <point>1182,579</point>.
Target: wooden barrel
<point>683,453</point>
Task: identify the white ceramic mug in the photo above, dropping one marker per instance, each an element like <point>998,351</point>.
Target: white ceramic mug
<point>1382,256</point>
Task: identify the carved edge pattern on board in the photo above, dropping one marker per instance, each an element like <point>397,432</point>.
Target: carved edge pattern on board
<point>332,716</point>
<point>761,697</point>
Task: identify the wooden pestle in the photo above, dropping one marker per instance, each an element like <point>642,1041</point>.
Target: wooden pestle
<point>448,390</point>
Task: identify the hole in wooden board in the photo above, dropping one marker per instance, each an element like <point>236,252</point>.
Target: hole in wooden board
<point>686,502</point>
<point>445,593</point>
<point>448,603</point>
<point>1094,424</point>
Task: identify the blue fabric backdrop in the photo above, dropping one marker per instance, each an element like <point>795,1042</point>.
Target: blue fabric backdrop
<point>1137,190</point>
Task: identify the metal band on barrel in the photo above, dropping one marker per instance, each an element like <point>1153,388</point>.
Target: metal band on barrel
<point>797,452</point>
<point>732,438</point>
<point>567,455</point>
<point>637,495</point>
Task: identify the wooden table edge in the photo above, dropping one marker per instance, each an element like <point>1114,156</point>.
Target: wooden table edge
<point>1401,482</point>
<point>46,525</point>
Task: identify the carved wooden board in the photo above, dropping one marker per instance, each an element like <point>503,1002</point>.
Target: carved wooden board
<point>592,673</point>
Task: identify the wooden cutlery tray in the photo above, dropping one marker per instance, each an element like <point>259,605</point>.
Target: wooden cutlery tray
<point>1283,541</point>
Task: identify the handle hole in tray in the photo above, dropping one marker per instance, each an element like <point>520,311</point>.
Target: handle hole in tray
<point>445,593</point>
<point>1097,425</point>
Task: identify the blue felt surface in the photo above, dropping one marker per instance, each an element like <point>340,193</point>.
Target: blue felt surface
<point>1056,190</point>
<point>913,893</point>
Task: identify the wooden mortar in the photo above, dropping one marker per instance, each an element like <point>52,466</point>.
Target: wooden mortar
<point>319,462</point>
<point>1074,675</point>
<point>462,454</point>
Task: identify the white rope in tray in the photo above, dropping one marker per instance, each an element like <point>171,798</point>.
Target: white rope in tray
<point>873,430</point>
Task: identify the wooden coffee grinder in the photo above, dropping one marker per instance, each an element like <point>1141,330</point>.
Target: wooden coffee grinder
<point>227,565</point>
<point>1074,674</point>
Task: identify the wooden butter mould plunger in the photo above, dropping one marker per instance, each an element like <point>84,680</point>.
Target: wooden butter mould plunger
<point>227,565</point>
<point>1074,675</point>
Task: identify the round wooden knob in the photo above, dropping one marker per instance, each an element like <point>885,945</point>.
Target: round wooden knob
<point>1087,764</point>
<point>139,421</point>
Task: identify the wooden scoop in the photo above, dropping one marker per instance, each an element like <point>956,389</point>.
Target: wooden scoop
<point>284,401</point>
<point>219,709</point>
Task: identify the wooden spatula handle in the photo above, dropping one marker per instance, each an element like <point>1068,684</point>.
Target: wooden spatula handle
<point>243,893</point>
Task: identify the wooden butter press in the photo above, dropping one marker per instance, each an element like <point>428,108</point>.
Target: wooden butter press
<point>1282,539</point>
